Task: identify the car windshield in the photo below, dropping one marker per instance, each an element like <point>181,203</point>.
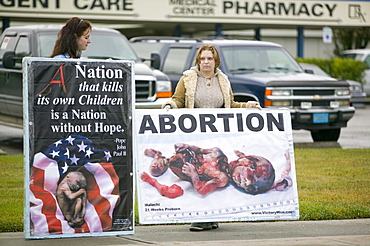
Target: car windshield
<point>351,56</point>
<point>143,49</point>
<point>103,46</point>
<point>241,59</point>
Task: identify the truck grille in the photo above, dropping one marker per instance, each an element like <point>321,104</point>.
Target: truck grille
<point>145,90</point>
<point>329,92</point>
<point>320,94</point>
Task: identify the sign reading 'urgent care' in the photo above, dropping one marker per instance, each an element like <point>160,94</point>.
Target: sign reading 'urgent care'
<point>320,13</point>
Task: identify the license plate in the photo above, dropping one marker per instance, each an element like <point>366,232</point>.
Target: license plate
<point>320,118</point>
<point>334,104</point>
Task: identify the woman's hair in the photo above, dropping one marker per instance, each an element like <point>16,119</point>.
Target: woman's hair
<point>214,51</point>
<point>67,37</point>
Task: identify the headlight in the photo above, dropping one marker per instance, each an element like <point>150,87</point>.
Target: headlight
<point>342,92</point>
<point>281,103</point>
<point>164,89</point>
<point>356,88</point>
<point>344,103</point>
<point>340,103</point>
<point>281,93</point>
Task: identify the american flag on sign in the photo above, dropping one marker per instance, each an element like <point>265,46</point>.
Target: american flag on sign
<point>51,166</point>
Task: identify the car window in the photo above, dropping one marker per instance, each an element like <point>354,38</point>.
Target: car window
<point>248,59</point>
<point>241,59</point>
<point>176,60</point>
<point>106,45</point>
<point>351,56</point>
<point>46,42</point>
<point>144,49</point>
<point>357,56</point>
<point>7,43</point>
<point>103,46</point>
<point>23,47</point>
<point>367,61</point>
<point>281,60</point>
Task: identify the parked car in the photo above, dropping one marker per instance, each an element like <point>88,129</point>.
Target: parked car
<point>153,87</point>
<point>364,56</point>
<point>264,72</point>
<point>358,95</point>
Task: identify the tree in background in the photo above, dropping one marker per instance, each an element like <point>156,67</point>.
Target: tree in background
<point>350,38</point>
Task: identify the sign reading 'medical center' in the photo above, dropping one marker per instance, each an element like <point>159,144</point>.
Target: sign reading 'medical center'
<point>334,13</point>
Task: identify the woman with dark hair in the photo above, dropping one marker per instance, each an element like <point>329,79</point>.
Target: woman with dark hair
<point>73,38</point>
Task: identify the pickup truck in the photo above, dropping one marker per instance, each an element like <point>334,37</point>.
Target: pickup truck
<point>264,72</point>
<point>152,86</point>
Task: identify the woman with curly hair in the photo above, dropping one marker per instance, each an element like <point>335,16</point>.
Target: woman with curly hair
<point>205,86</point>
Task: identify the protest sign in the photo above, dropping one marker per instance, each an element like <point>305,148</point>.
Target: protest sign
<point>198,165</point>
<point>78,147</point>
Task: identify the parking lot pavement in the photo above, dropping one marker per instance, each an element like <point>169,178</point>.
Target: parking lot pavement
<point>11,139</point>
<point>355,135</point>
<point>329,232</point>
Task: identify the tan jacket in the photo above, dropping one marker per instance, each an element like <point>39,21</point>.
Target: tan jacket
<point>185,92</point>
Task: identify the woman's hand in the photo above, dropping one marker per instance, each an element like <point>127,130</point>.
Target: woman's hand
<point>167,107</point>
<point>253,104</point>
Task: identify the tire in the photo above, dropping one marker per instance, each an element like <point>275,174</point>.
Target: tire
<point>325,135</point>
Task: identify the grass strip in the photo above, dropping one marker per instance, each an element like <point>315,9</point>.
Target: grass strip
<point>332,184</point>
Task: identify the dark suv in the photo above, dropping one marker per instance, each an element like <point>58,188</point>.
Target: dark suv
<point>153,87</point>
<point>265,72</point>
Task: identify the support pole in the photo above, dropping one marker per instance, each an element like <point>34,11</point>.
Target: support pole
<point>177,32</point>
<point>300,41</point>
<point>6,23</point>
<point>219,30</point>
<point>257,33</point>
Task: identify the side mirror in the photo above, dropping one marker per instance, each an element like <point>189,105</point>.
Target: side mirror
<point>9,59</point>
<point>155,60</point>
<point>310,71</point>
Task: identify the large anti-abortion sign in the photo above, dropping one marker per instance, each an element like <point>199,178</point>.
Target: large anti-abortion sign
<point>78,147</point>
<point>215,165</point>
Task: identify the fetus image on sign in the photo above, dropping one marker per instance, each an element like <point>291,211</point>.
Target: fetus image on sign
<point>254,174</point>
<point>71,197</point>
<point>159,163</point>
<point>209,169</point>
<point>206,169</point>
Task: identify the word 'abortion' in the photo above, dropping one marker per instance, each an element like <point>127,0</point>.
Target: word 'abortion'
<point>224,122</point>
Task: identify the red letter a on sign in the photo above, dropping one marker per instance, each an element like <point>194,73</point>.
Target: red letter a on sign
<point>59,81</point>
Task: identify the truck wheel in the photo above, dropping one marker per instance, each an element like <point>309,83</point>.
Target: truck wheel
<point>325,135</point>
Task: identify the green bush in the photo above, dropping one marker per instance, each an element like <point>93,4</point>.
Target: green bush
<point>343,69</point>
